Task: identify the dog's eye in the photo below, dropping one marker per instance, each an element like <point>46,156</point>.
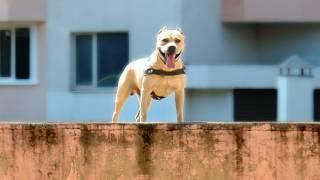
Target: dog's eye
<point>165,40</point>
<point>177,40</point>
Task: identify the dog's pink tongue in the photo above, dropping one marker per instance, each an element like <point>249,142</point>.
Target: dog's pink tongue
<point>170,61</point>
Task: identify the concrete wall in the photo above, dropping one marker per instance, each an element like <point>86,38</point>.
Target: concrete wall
<point>28,102</point>
<point>232,76</point>
<point>160,151</point>
<point>211,42</point>
<point>295,99</point>
<point>262,11</point>
<point>209,105</point>
<point>277,42</point>
<point>26,10</point>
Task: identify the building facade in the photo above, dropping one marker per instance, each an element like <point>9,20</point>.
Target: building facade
<point>246,60</point>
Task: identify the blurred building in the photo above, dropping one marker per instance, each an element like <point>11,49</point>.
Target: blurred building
<point>246,59</point>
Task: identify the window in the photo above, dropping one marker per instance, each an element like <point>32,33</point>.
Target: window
<point>15,54</point>
<point>84,60</point>
<point>316,101</point>
<point>5,53</point>
<point>99,59</point>
<point>255,104</point>
<point>22,46</point>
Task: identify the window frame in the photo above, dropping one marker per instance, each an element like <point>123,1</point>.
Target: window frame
<point>94,86</point>
<point>33,55</point>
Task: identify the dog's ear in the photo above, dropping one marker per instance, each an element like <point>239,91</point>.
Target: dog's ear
<point>162,29</point>
<point>180,30</point>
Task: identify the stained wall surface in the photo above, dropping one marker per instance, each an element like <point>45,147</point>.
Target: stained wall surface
<point>160,151</point>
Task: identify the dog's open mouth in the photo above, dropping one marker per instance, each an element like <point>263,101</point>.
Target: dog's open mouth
<point>170,59</point>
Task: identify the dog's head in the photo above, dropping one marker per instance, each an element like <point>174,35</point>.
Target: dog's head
<point>170,44</point>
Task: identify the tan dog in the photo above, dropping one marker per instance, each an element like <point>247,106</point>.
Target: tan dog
<point>155,77</point>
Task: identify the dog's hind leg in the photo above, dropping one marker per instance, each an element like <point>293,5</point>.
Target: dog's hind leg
<point>138,113</point>
<point>123,93</point>
<point>138,116</point>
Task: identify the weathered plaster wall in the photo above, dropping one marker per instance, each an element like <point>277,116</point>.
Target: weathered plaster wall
<point>160,151</point>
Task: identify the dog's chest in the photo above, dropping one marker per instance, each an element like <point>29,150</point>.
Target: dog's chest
<point>164,86</point>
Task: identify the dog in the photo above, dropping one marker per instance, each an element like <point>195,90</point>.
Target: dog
<point>155,77</point>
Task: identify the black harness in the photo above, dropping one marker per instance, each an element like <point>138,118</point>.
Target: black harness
<point>151,71</point>
<point>156,97</point>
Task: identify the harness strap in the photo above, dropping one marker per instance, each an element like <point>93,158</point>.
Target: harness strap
<point>156,97</point>
<point>151,71</point>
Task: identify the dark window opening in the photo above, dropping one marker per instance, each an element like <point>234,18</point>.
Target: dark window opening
<point>5,53</point>
<point>84,59</point>
<point>316,105</point>
<point>112,57</point>
<point>100,58</point>
<point>22,53</point>
<point>255,104</point>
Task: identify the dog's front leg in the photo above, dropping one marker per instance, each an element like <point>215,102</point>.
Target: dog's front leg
<point>145,101</point>
<point>179,98</point>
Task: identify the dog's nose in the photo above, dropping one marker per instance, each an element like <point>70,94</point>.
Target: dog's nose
<point>171,49</point>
